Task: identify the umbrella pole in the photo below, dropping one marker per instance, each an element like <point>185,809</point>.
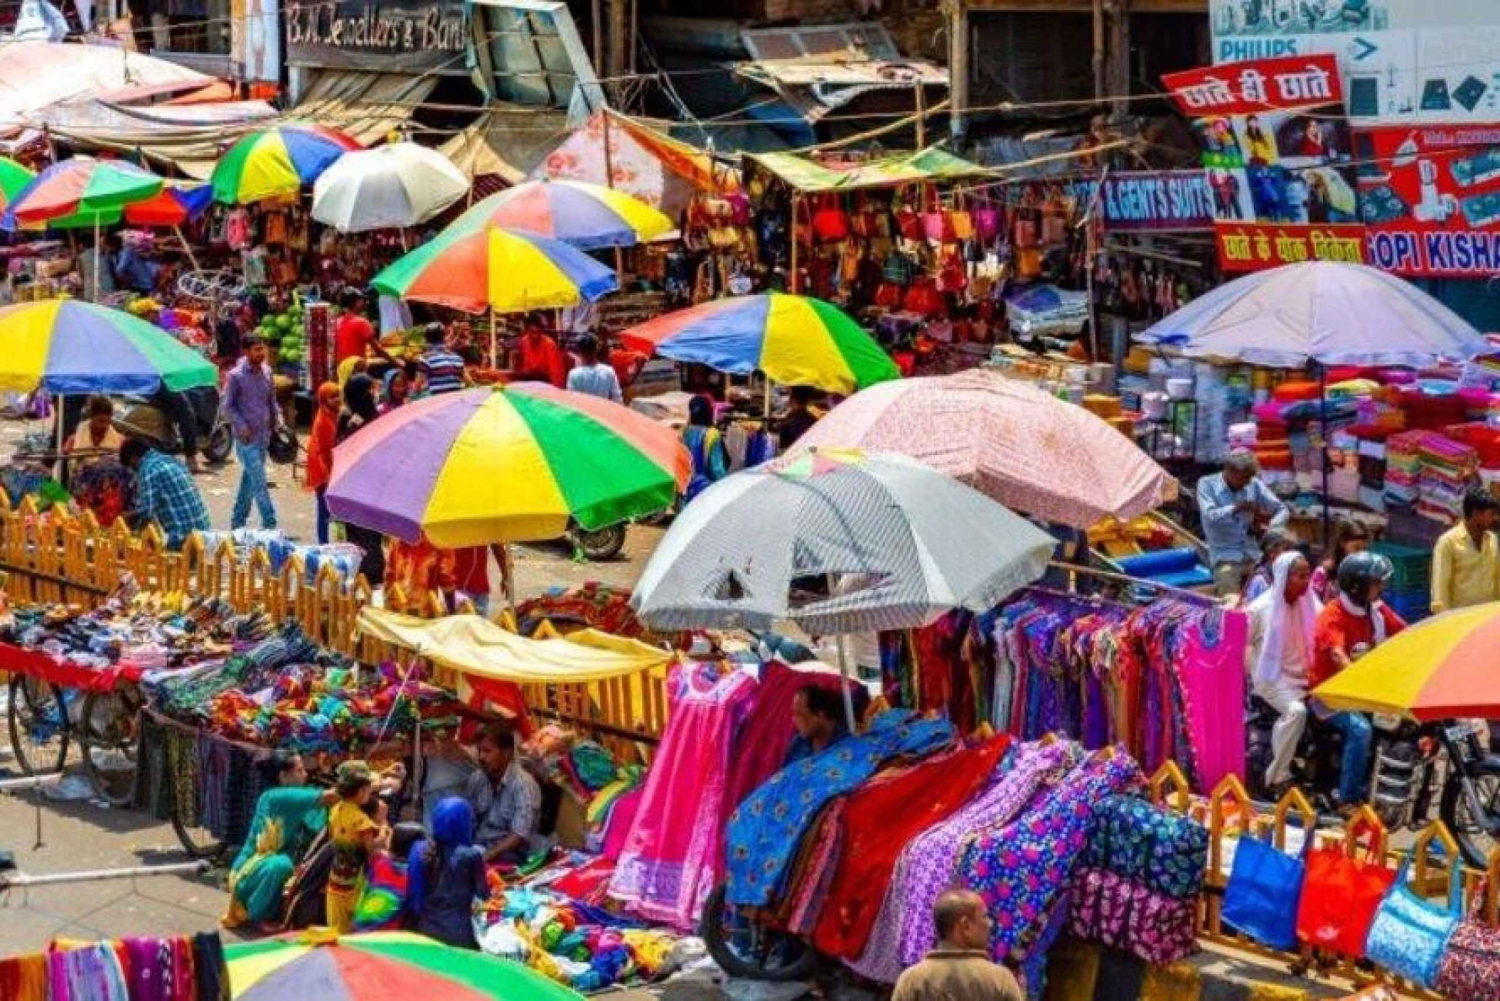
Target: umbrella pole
<point>493,336</point>
<point>97,263</point>
<point>1323,452</point>
<point>508,584</point>
<point>768,403</point>
<point>844,673</point>
<point>186,249</point>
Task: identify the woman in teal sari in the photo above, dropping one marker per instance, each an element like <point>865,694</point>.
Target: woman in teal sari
<point>287,817</point>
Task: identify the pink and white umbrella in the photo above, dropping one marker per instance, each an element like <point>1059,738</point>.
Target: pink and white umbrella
<point>1030,451</point>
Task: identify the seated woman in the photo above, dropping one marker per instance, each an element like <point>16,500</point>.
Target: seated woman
<point>446,875</point>
<point>286,820</point>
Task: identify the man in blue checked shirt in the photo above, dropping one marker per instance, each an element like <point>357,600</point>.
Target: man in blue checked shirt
<point>1236,507</point>
<point>164,492</point>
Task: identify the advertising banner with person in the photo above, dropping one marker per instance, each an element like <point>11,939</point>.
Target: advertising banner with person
<point>1430,198</point>
<point>1277,151</point>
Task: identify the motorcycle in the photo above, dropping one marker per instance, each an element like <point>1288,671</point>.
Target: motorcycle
<point>1449,759</point>
<point>144,419</point>
<point>599,545</point>
<point>1315,766</point>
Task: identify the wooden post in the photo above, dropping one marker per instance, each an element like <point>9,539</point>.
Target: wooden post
<point>794,284</point>
<point>598,17</point>
<point>920,98</point>
<point>609,160</point>
<point>1097,61</point>
<point>1117,76</point>
<point>618,34</point>
<point>958,68</point>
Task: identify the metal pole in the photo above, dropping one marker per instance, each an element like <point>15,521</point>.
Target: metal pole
<point>90,875</point>
<point>97,263</point>
<point>186,249</point>
<point>30,782</point>
<point>494,343</point>
<point>793,284</point>
<point>844,673</point>
<point>1323,450</point>
<point>921,101</point>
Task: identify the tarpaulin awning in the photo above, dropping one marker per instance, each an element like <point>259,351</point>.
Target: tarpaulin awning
<point>806,174</point>
<point>191,137</point>
<point>653,167</point>
<point>366,106</point>
<point>475,646</point>
<point>509,141</point>
<point>37,75</point>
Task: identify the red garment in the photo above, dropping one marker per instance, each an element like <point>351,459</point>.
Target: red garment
<point>627,364</point>
<point>880,820</point>
<point>320,449</point>
<point>471,570</point>
<point>1339,630</point>
<point>541,359</point>
<point>352,334</point>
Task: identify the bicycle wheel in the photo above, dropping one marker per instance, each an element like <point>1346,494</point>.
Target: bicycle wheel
<point>197,841</point>
<point>107,737</point>
<point>37,714</point>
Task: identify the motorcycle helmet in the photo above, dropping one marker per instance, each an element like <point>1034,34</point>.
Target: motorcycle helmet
<point>283,447</point>
<point>1359,571</point>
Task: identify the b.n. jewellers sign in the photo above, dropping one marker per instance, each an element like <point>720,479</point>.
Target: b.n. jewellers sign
<point>389,35</point>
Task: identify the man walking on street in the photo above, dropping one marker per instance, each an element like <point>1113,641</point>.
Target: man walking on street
<point>1236,507</point>
<point>250,405</point>
<point>1466,558</point>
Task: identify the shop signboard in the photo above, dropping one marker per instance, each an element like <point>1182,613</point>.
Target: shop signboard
<point>255,40</point>
<point>1253,246</point>
<point>1277,153</point>
<point>1157,201</point>
<point>1430,198</point>
<point>1399,60</point>
<point>392,36</point>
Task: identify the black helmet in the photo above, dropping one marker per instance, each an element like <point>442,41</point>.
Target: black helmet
<point>1359,571</point>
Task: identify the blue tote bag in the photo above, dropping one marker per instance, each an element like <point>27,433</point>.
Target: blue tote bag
<point>1264,889</point>
<point>1410,933</point>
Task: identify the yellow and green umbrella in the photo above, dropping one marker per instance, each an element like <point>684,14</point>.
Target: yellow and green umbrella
<point>1438,669</point>
<point>378,966</point>
<point>504,465</point>
<point>276,162</point>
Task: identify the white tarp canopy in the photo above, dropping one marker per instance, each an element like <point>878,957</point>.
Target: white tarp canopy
<point>37,75</point>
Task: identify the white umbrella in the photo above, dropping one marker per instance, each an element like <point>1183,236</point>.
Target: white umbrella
<point>896,542</point>
<point>395,186</point>
<point>1333,314</point>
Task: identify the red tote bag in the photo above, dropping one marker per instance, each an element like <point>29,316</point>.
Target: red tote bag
<point>1339,898</point>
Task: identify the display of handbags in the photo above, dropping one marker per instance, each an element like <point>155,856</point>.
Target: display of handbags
<point>1339,898</point>
<point>1410,933</point>
<point>1264,891</point>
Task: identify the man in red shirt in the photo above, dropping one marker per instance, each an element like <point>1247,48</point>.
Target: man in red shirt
<point>1350,626</point>
<point>353,334</point>
<point>538,358</point>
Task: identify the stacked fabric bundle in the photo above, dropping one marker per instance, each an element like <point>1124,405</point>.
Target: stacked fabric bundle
<point>1447,466</point>
<point>1138,885</point>
<point>1403,467</point>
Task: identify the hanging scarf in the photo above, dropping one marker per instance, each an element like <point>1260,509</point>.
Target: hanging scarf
<point>1302,616</point>
<point>1377,622</point>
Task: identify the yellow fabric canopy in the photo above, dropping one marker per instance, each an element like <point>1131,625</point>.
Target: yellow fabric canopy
<point>473,645</point>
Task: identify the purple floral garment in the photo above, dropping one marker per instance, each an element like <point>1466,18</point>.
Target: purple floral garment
<point>1021,869</point>
<point>928,865</point>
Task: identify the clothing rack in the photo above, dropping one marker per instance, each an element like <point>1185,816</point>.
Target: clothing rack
<point>1120,578</point>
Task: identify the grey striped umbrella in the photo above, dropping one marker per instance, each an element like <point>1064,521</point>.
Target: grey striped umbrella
<point>838,541</point>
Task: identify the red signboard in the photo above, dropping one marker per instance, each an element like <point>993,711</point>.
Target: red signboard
<point>1430,199</point>
<point>1260,85</point>
<point>1253,246</point>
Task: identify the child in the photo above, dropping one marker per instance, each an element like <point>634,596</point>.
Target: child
<point>354,835</point>
<point>445,876</point>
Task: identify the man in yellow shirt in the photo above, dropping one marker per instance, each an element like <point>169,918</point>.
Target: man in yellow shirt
<point>1466,559</point>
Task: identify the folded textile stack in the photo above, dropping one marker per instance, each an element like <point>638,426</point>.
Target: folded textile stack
<point>1223,397</point>
<point>1403,467</point>
<point>1432,412</point>
<point>1447,467</point>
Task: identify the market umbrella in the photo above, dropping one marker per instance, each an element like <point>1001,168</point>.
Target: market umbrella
<point>79,186</point>
<point>277,161</point>
<point>511,464</point>
<point>1318,311</point>
<point>70,346</point>
<point>1438,669</point>
<point>897,543</point>
<point>795,340</point>
<point>177,202</point>
<point>587,216</point>
<point>1025,448</point>
<point>378,966</point>
<point>455,268</point>
<point>394,186</point>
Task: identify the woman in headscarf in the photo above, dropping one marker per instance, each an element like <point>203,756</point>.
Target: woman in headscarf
<point>706,445</point>
<point>1283,624</point>
<point>397,387</point>
<point>359,411</point>
<point>325,427</point>
<point>446,875</point>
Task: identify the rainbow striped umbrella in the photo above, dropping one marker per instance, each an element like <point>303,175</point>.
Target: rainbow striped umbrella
<point>70,346</point>
<point>1439,669</point>
<point>512,464</point>
<point>475,266</point>
<point>587,216</point>
<point>378,966</point>
<point>795,340</point>
<point>174,205</point>
<point>277,161</point>
<point>79,191</point>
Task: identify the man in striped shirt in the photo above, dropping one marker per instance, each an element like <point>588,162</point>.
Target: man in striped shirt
<point>439,370</point>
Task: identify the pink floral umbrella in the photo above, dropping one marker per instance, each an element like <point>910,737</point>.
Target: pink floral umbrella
<point>1030,451</point>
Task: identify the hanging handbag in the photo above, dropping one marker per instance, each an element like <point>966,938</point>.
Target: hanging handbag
<point>1410,934</point>
<point>829,222</point>
<point>938,226</point>
<point>908,223</point>
<point>1263,892</point>
<point>986,222</point>
<point>962,224</point>
<point>1339,899</point>
<point>1125,914</point>
<point>923,297</point>
<point>1470,969</point>
<point>898,268</point>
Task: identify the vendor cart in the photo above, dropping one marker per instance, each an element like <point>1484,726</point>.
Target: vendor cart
<point>52,703</point>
